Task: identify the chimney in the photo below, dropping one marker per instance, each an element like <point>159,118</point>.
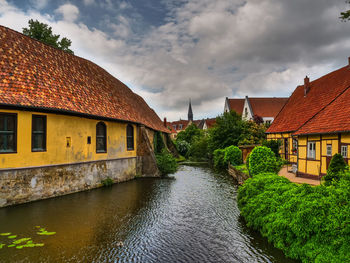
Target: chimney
<point>306,85</point>
<point>165,122</point>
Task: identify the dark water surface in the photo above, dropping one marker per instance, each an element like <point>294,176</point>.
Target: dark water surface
<point>191,218</point>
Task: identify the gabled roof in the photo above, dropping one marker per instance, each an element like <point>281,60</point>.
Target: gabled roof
<point>37,76</point>
<point>333,118</point>
<point>300,109</point>
<point>267,107</point>
<point>210,122</point>
<point>236,105</point>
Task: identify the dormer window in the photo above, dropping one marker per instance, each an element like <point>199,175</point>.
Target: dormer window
<point>245,112</point>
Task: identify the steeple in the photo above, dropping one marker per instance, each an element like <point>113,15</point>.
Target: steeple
<point>190,113</point>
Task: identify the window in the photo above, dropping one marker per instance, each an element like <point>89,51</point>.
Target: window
<point>245,112</point>
<point>8,133</point>
<point>268,122</point>
<point>174,126</point>
<point>180,126</point>
<point>38,133</point>
<point>130,138</point>
<point>311,150</point>
<point>329,149</point>
<point>295,146</point>
<point>344,151</point>
<point>101,135</point>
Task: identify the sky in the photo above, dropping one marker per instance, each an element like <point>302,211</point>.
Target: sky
<point>170,51</point>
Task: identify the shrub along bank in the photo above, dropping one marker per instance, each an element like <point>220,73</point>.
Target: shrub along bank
<point>308,223</point>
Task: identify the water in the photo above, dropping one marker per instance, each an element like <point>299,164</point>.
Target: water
<point>191,218</point>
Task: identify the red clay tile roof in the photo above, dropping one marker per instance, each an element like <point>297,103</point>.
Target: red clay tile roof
<point>299,109</point>
<point>210,122</point>
<point>236,105</point>
<point>267,107</point>
<point>333,118</point>
<point>33,74</point>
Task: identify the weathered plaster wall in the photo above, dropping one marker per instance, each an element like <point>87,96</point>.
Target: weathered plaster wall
<point>24,185</point>
<point>59,128</point>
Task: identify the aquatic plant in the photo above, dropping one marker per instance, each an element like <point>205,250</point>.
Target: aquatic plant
<point>107,182</point>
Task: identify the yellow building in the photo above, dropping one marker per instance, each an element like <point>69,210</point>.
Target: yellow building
<point>315,123</point>
<point>66,124</point>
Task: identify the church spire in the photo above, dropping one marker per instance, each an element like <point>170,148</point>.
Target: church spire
<point>190,113</point>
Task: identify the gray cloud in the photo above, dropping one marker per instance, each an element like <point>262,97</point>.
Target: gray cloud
<point>206,50</point>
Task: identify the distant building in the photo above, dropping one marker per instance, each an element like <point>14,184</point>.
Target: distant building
<point>266,108</point>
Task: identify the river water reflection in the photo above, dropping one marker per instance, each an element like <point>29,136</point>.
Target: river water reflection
<point>191,218</point>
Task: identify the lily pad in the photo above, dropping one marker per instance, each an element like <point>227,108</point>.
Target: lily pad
<point>19,247</point>
<point>5,234</point>
<point>14,236</point>
<point>2,245</point>
<point>12,245</point>
<point>21,240</point>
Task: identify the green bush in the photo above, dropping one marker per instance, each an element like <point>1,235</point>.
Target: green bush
<point>182,147</point>
<point>107,182</point>
<point>199,149</point>
<point>233,155</point>
<point>263,160</point>
<point>166,163</point>
<point>158,142</point>
<point>219,158</point>
<point>274,145</point>
<point>336,167</point>
<point>308,223</point>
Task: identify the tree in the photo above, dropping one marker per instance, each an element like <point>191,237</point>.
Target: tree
<point>258,119</point>
<point>252,133</point>
<point>189,134</point>
<point>346,14</point>
<point>226,132</point>
<point>43,33</point>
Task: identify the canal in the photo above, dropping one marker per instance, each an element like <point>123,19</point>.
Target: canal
<point>192,217</point>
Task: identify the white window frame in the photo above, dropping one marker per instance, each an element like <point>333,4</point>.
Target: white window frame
<point>174,126</point>
<point>329,149</point>
<point>180,126</point>
<point>311,150</point>
<point>344,151</point>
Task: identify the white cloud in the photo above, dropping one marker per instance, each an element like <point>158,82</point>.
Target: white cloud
<point>207,50</point>
<point>39,4</point>
<point>69,12</point>
<point>89,2</point>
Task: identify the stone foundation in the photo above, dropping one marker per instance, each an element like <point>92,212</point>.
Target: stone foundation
<point>29,184</point>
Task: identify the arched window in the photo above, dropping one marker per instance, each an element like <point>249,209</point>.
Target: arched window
<point>101,138</point>
<point>129,137</point>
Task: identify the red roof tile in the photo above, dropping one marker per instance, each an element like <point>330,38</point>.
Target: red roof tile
<point>267,107</point>
<point>210,122</point>
<point>236,105</point>
<point>33,74</point>
<point>299,108</point>
<point>333,118</point>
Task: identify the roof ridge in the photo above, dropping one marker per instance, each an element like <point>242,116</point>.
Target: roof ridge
<point>336,97</point>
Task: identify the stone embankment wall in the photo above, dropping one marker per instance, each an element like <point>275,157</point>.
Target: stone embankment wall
<point>21,185</point>
<point>238,175</point>
<point>29,184</point>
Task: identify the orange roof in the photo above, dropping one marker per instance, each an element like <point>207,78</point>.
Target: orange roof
<point>333,118</point>
<point>37,76</point>
<point>267,107</point>
<point>236,105</point>
<point>210,122</point>
<point>300,109</point>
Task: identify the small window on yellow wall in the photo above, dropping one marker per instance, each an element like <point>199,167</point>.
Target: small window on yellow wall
<point>8,133</point>
<point>329,149</point>
<point>311,150</point>
<point>38,133</point>
<point>344,151</point>
<point>130,137</point>
<point>101,138</point>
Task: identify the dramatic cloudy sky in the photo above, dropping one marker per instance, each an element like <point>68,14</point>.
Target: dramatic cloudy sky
<point>171,50</point>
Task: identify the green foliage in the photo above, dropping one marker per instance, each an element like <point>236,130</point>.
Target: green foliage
<point>263,160</point>
<point>274,145</point>
<point>336,167</point>
<point>219,158</point>
<point>43,33</point>
<point>158,143</point>
<point>166,163</point>
<point>233,155</point>
<point>182,147</point>
<point>243,168</point>
<point>199,149</point>
<point>252,133</point>
<point>226,132</point>
<point>189,134</point>
<point>308,223</point>
<point>346,14</point>
<point>180,159</point>
<point>107,182</point>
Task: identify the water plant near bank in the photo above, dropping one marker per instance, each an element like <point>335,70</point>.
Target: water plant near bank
<point>308,223</point>
<point>166,163</point>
